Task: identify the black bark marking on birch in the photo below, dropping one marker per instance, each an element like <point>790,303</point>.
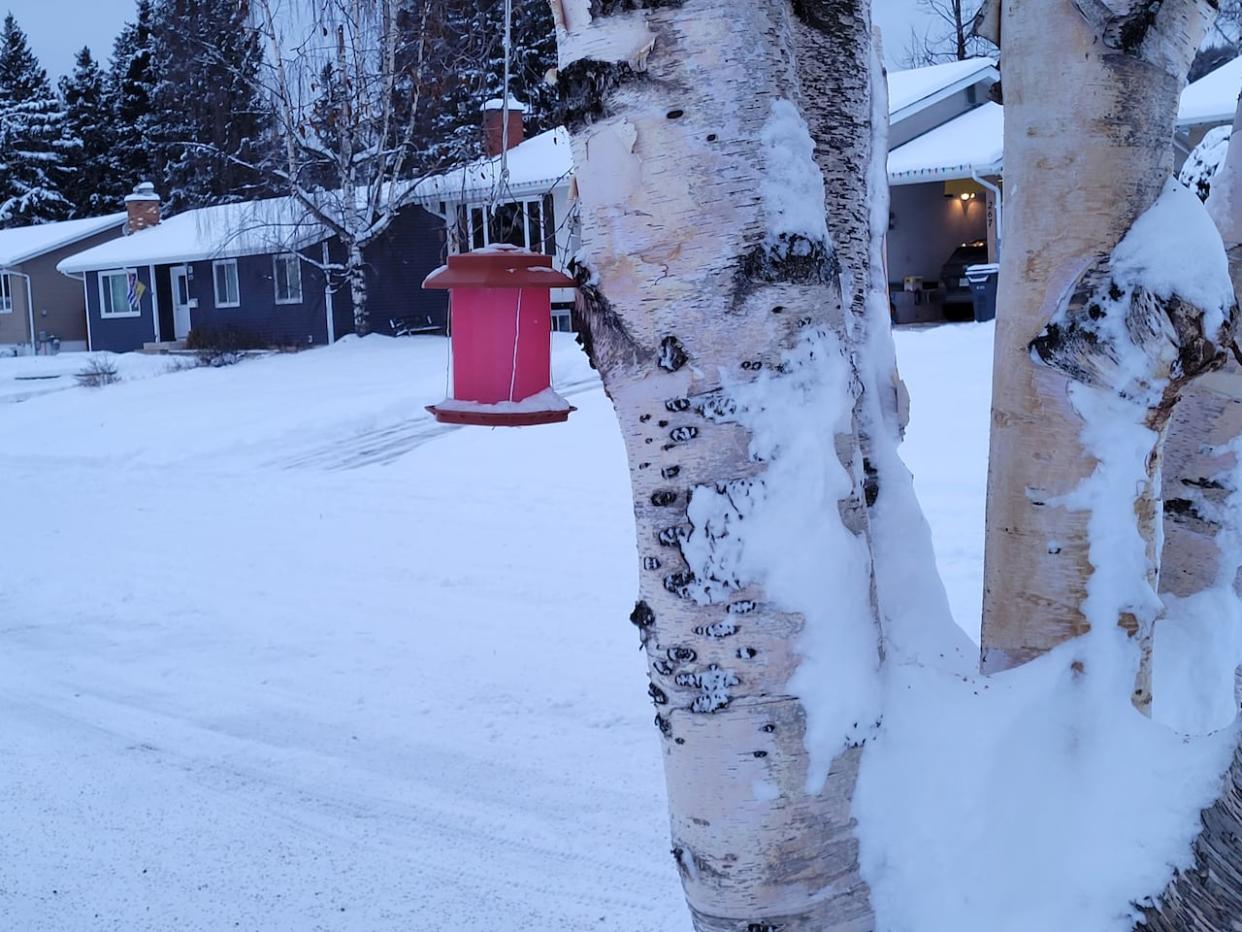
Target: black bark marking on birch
<point>652,563</point>
<point>871,482</point>
<point>759,754</point>
<point>713,685</point>
<point>657,694</point>
<point>683,434</point>
<point>670,472</point>
<point>762,927</point>
<point>677,405</point>
<point>601,330</point>
<point>665,726</point>
<point>679,583</point>
<point>661,423</point>
<point>644,418</point>
<point>609,7</point>
<point>672,354</point>
<point>671,536</point>
<point>583,88</point>
<point>1079,343</point>
<point>642,616</point>
<point>794,260</point>
<point>675,114</point>
<point>746,653</point>
<point>768,728</point>
<point>1203,483</point>
<point>741,607</point>
<point>717,629</point>
<point>663,667</point>
<point>681,655</point>
<point>663,498</point>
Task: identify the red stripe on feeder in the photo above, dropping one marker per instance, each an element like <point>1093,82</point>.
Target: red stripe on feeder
<point>500,307</point>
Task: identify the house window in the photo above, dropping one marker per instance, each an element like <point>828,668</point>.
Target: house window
<point>224,273</point>
<point>518,223</point>
<point>118,294</point>
<point>288,276</point>
<point>6,295</point>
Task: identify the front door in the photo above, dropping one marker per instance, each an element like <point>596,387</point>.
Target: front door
<point>181,302</point>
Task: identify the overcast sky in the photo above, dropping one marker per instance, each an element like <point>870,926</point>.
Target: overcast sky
<point>58,28</point>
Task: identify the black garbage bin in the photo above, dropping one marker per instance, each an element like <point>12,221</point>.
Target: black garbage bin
<point>983,280</point>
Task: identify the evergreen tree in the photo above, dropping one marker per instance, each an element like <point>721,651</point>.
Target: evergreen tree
<point>89,125</point>
<point>128,89</point>
<point>32,139</point>
<point>464,66</point>
<point>213,121</point>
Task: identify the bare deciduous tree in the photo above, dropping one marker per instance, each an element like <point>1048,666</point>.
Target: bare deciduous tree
<point>950,37</point>
<point>345,79</point>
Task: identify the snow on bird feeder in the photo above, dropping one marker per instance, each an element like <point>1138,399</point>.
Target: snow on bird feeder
<point>500,313</point>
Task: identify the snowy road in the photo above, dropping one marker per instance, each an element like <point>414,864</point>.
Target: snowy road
<point>236,694</point>
<point>278,653</point>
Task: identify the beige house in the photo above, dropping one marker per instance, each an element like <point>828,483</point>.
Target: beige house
<point>37,304</point>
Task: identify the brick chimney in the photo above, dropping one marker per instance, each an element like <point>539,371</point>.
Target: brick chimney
<point>143,208</point>
<point>493,124</point>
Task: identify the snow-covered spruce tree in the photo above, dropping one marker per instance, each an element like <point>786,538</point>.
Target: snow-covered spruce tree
<point>341,162</point>
<point>710,292</point>
<point>1202,482</point>
<point>33,144</point>
<point>210,117</point>
<point>89,125</point>
<point>466,64</point>
<point>128,89</point>
<point>1092,330</point>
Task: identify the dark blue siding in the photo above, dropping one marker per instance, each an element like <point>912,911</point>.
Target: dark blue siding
<point>397,262</point>
<point>119,334</point>
<point>259,316</point>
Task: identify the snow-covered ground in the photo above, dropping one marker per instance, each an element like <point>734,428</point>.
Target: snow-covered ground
<point>279,652</point>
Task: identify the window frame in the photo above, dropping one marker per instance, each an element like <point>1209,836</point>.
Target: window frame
<point>105,292</point>
<point>215,282</point>
<point>6,293</point>
<point>477,230</point>
<point>296,260</point>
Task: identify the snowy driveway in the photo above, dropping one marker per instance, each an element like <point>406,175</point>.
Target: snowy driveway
<point>280,654</point>
<point>236,692</point>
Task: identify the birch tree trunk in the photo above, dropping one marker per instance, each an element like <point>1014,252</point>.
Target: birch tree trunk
<point>1202,534</point>
<point>1091,94</point>
<point>712,308</point>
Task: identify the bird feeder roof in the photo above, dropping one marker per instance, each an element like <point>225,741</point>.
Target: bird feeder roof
<point>498,266</point>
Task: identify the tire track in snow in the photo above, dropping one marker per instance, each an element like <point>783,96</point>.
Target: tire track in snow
<point>382,445</point>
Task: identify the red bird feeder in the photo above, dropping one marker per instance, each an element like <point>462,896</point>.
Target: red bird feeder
<point>500,307</point>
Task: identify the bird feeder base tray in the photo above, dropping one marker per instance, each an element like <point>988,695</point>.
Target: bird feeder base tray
<point>485,418</point>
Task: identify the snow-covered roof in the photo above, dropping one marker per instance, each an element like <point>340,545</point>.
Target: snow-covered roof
<point>21,244</point>
<point>972,141</point>
<point>1213,98</point>
<point>248,228</point>
<point>536,166</point>
<point>914,89</point>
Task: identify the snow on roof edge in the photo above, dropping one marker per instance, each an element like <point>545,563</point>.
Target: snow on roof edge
<point>76,231</point>
<point>958,77</point>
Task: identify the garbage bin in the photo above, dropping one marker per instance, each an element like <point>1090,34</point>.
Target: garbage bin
<point>982,280</point>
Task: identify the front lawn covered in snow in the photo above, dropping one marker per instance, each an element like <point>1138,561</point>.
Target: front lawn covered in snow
<point>280,652</point>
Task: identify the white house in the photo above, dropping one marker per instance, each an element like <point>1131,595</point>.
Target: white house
<point>532,208</point>
<point>944,165</point>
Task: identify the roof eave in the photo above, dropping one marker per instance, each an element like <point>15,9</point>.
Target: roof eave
<point>951,173</point>
<point>918,106</point>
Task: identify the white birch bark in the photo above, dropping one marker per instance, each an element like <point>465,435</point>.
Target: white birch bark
<point>1202,536</point>
<point>723,346</point>
<point>1091,92</point>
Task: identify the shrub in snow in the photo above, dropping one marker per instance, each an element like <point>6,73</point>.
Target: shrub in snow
<point>99,371</point>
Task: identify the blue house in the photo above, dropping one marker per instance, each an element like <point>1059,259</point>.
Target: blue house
<point>256,268</point>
